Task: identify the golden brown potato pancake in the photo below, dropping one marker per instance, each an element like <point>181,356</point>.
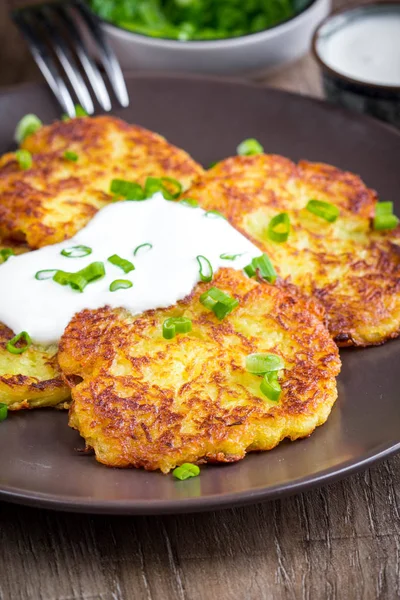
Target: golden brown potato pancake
<point>31,379</point>
<point>56,197</point>
<point>143,401</point>
<point>351,269</point>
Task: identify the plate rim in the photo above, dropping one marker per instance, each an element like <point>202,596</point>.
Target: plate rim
<point>201,504</point>
<point>215,501</point>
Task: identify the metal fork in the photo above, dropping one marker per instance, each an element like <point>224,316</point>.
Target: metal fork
<point>60,51</point>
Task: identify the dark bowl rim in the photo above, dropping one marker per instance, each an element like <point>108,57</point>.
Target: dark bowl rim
<point>201,42</point>
<point>336,74</point>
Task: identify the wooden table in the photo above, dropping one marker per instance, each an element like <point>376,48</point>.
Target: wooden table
<point>341,541</point>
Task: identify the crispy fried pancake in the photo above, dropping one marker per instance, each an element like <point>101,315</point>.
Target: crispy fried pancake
<point>31,379</point>
<point>55,198</point>
<point>351,269</point>
<point>140,400</point>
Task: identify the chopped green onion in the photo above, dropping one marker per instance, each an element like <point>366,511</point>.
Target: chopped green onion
<point>175,325</point>
<point>142,248</point>
<point>384,217</point>
<point>122,263</point>
<point>263,266</point>
<point>71,156</point>
<point>325,210</point>
<point>76,251</point>
<point>214,214</point>
<point>127,189</point>
<point>261,363</point>
<point>13,348</point>
<point>205,268</point>
<point>157,184</point>
<point>230,256</point>
<point>5,254</point>
<point>219,302</point>
<point>24,159</point>
<point>45,274</point>
<point>27,125</point>
<point>385,222</point>
<point>249,147</point>
<point>279,228</point>
<point>80,111</point>
<point>120,284</point>
<point>383,208</point>
<point>212,164</point>
<point>186,471</point>
<point>270,387</point>
<point>80,279</point>
<point>3,411</point>
<point>189,202</point>
<point>175,184</point>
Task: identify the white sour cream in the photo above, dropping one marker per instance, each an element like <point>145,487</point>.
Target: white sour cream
<point>366,49</point>
<point>163,274</point>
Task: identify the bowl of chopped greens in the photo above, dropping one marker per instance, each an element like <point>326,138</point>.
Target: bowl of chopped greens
<point>209,36</point>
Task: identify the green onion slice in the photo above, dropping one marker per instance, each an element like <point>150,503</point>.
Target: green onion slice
<point>71,156</point>
<point>270,387</point>
<point>325,210</point>
<point>127,189</point>
<point>186,471</point>
<point>205,268</point>
<point>221,303</point>
<point>79,280</point>
<point>5,254</point>
<point>24,159</point>
<point>3,411</point>
<point>142,248</point>
<point>279,228</point>
<point>214,214</point>
<point>12,344</point>
<point>212,164</point>
<point>261,363</point>
<point>249,147</point>
<point>80,111</point>
<point>122,263</point>
<point>27,125</point>
<point>230,256</point>
<point>120,284</point>
<point>76,251</point>
<point>174,184</point>
<point>383,208</point>
<point>384,217</point>
<point>175,325</point>
<point>263,266</point>
<point>387,222</point>
<point>45,274</point>
<point>158,184</point>
<point>189,202</point>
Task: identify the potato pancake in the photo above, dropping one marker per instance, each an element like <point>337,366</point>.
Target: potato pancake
<point>56,197</point>
<point>31,379</point>
<point>144,401</point>
<point>351,269</point>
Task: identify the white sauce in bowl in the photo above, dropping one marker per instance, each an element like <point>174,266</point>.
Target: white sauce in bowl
<point>366,48</point>
<point>163,274</point>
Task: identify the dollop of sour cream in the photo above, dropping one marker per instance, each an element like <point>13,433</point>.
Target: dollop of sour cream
<point>164,273</point>
<point>366,48</point>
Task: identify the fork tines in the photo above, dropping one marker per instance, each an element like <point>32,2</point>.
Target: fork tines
<point>60,51</point>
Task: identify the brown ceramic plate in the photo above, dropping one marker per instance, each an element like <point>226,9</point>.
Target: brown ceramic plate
<point>39,465</point>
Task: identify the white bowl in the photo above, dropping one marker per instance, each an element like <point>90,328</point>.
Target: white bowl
<point>250,54</point>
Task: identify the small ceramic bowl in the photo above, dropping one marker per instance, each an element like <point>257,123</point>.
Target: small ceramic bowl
<point>250,54</point>
<point>362,73</point>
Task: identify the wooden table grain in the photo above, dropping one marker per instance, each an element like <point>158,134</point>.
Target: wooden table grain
<point>341,541</point>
